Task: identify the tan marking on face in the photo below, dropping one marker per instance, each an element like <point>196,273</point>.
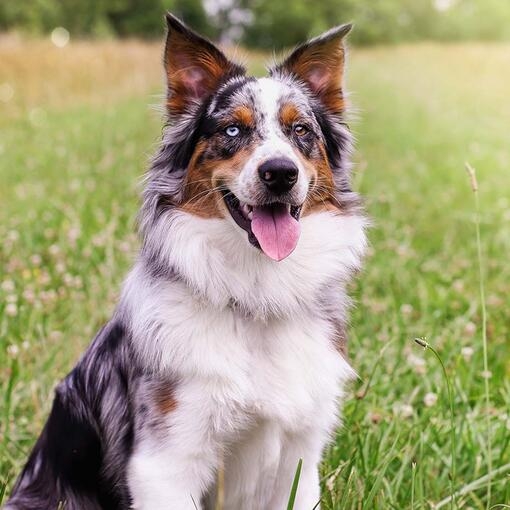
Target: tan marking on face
<point>201,194</point>
<point>198,197</point>
<point>244,115</point>
<point>164,398</point>
<point>320,196</point>
<point>289,114</point>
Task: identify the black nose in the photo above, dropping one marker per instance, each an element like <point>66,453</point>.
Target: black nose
<point>279,175</point>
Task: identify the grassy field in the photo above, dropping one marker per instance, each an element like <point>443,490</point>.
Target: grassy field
<point>76,129</point>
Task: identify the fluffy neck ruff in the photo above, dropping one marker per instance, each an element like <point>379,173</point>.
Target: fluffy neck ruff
<point>216,261</point>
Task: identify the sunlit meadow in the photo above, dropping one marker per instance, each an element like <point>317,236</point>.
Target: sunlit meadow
<point>77,125</point>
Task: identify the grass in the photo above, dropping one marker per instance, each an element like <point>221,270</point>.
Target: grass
<point>295,484</point>
<point>474,186</point>
<point>423,343</point>
<point>75,135</point>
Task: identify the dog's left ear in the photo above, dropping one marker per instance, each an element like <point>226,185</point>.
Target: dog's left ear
<point>194,66</point>
<point>319,63</point>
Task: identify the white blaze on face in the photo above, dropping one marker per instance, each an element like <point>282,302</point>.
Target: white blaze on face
<point>268,93</point>
<point>274,225</point>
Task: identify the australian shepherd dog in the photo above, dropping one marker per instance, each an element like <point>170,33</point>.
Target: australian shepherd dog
<point>226,352</point>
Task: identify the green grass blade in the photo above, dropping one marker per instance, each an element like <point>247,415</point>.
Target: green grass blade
<point>474,485</point>
<point>474,187</point>
<point>381,471</point>
<point>423,343</point>
<point>14,372</point>
<point>295,483</point>
<point>413,479</point>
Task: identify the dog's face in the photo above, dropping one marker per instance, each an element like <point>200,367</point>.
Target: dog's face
<point>259,153</point>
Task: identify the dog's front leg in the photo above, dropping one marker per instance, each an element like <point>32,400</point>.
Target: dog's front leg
<point>172,467</point>
<point>308,493</point>
<point>161,481</point>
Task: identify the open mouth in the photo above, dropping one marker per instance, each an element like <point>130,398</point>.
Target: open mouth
<point>274,228</point>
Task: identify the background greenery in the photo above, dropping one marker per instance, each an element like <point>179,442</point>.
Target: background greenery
<point>75,135</point>
<point>268,23</point>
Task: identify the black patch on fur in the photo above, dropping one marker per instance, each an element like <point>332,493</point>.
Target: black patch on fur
<point>203,125</point>
<point>307,144</point>
<point>179,155</point>
<point>80,458</point>
<point>336,141</point>
<point>224,96</point>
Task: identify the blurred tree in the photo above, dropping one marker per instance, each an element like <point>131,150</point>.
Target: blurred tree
<point>138,18</point>
<point>277,23</point>
<point>145,18</point>
<point>267,24</point>
<point>32,15</point>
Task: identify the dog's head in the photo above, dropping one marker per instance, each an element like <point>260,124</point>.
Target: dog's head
<point>257,152</point>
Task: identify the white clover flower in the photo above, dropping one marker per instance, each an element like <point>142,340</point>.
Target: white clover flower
<point>467,353</point>
<point>418,363</point>
<point>406,309</point>
<point>13,235</point>
<point>430,399</point>
<point>8,285</point>
<point>36,259</point>
<point>11,309</point>
<point>13,350</point>
<point>406,411</point>
<point>29,295</point>
<point>470,328</point>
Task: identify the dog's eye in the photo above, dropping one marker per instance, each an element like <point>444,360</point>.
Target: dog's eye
<point>300,130</point>
<point>232,131</point>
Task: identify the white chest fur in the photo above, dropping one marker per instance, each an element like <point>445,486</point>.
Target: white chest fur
<point>258,394</point>
<point>252,352</point>
<point>278,368</point>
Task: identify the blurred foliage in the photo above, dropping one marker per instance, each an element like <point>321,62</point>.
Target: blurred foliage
<point>279,23</point>
<point>138,18</point>
<point>268,23</point>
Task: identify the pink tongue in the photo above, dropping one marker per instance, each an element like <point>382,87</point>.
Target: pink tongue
<point>275,229</point>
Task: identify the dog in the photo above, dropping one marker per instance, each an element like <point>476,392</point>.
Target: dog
<point>226,352</point>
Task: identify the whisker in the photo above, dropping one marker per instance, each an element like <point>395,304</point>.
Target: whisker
<point>205,194</point>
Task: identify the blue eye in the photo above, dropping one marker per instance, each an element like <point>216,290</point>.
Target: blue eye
<point>232,131</point>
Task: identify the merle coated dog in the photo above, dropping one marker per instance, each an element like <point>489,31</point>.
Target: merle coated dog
<point>226,350</point>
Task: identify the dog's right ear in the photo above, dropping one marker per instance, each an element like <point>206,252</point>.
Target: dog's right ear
<point>319,63</point>
<point>194,67</point>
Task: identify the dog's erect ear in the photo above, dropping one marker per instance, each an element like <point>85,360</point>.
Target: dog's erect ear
<point>319,63</point>
<point>195,68</point>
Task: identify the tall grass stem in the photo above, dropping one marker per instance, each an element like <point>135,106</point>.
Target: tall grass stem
<point>473,486</point>
<point>423,343</point>
<point>474,186</point>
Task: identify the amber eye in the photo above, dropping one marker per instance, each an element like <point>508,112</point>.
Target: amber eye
<point>300,130</point>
